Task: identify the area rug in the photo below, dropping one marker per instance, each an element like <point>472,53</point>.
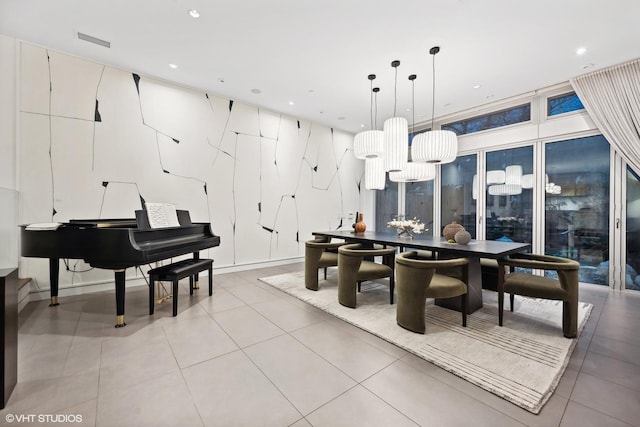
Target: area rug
<point>521,362</point>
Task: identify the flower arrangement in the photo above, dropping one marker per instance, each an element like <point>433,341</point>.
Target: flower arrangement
<point>407,227</point>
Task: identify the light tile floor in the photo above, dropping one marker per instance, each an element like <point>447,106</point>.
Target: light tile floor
<point>253,356</point>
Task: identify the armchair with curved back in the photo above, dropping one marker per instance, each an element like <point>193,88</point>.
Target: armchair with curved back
<point>564,288</point>
<point>417,280</point>
<point>319,253</point>
<point>354,269</point>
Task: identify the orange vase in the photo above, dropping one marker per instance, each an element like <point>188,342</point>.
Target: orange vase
<point>360,225</point>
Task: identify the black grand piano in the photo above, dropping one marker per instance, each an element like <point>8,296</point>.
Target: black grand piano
<point>115,244</point>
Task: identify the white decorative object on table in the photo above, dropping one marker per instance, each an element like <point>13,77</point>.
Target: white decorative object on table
<point>407,227</point>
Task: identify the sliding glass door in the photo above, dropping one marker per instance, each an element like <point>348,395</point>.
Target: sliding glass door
<point>458,194</point>
<point>577,204</point>
<point>632,267</point>
<point>509,195</point>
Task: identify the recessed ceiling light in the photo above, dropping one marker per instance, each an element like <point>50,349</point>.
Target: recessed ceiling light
<point>256,91</point>
<point>407,109</point>
<point>292,103</point>
<point>477,87</point>
<point>581,51</point>
<point>361,125</point>
<point>174,66</point>
<point>194,13</point>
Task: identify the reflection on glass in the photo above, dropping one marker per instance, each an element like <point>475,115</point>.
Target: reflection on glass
<point>458,201</point>
<point>510,205</point>
<point>386,204</point>
<point>419,203</point>
<point>577,205</point>
<point>632,279</point>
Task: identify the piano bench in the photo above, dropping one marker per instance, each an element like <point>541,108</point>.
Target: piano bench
<point>175,272</point>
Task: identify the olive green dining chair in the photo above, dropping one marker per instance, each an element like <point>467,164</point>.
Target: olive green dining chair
<point>564,288</point>
<point>319,253</point>
<point>417,280</point>
<point>355,266</point>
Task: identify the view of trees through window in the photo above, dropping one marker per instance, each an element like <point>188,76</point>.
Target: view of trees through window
<point>563,104</point>
<point>519,114</point>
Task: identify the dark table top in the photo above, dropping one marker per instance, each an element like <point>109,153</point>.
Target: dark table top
<point>475,248</point>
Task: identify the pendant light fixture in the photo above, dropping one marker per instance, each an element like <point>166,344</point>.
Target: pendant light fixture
<point>369,144</point>
<point>374,175</point>
<point>434,146</point>
<point>396,134</point>
<point>414,172</point>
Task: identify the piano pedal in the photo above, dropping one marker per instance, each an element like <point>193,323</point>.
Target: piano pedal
<point>196,284</point>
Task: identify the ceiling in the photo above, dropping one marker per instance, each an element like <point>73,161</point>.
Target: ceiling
<point>318,53</point>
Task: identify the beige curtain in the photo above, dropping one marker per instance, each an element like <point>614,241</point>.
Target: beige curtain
<point>612,99</point>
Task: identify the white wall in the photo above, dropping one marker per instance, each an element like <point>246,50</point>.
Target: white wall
<point>8,196</point>
<point>7,112</point>
<point>99,142</point>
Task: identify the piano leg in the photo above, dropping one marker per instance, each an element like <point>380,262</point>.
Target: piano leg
<point>54,274</point>
<point>196,284</point>
<point>120,279</point>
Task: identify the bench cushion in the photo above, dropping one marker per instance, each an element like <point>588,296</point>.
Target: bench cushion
<point>180,269</point>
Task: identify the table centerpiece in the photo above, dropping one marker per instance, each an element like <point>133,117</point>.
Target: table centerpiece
<point>407,227</point>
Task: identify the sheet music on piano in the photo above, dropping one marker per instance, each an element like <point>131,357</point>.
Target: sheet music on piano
<point>162,215</point>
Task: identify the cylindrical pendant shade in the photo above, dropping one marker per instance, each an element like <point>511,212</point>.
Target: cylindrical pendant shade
<point>527,181</point>
<point>374,175</point>
<point>414,172</point>
<point>513,175</point>
<point>505,190</point>
<point>495,177</point>
<point>396,143</point>
<point>368,144</point>
<point>436,146</point>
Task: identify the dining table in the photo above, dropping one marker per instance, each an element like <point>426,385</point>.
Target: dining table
<point>475,250</point>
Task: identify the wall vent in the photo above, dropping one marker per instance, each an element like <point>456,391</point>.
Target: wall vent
<point>93,40</point>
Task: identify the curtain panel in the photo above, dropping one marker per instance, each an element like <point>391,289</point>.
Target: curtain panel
<point>612,99</point>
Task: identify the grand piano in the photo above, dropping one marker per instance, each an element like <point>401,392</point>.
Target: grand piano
<point>115,244</point>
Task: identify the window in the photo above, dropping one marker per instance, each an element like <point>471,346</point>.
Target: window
<point>419,203</point>
<point>632,267</point>
<point>519,114</point>
<point>386,204</point>
<point>458,200</point>
<point>510,206</point>
<point>563,104</point>
<point>577,205</point>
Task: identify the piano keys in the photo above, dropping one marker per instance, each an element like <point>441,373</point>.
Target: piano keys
<point>115,244</point>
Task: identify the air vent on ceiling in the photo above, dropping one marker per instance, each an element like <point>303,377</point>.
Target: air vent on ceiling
<point>94,40</point>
